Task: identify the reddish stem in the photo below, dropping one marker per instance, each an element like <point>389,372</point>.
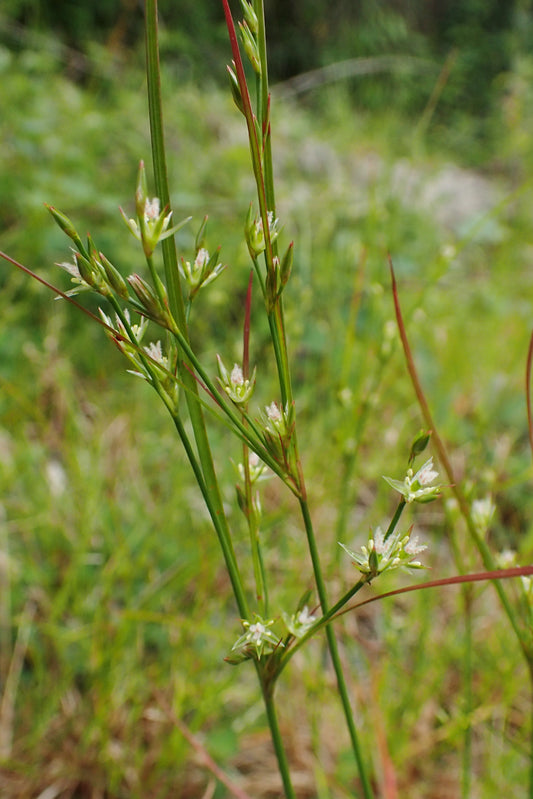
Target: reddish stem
<point>477,577</point>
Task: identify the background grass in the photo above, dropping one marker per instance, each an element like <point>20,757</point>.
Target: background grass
<point>108,561</point>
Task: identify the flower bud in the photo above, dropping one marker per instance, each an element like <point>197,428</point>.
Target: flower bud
<point>115,279</point>
<point>286,264</point>
<point>151,305</point>
<point>67,227</point>
<point>236,90</point>
<point>250,16</point>
<point>250,46</point>
<point>419,445</point>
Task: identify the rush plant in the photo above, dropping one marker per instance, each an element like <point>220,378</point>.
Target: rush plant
<point>149,315</point>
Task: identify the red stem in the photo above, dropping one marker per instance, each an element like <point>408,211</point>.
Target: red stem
<point>477,577</point>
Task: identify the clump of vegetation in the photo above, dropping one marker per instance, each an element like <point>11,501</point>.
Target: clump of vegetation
<point>116,610</point>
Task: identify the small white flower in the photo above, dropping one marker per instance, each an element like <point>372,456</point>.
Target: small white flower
<point>151,209</point>
<point>381,554</point>
<point>273,412</point>
<point>300,622</point>
<point>305,618</point>
<point>417,488</point>
<point>202,257</point>
<point>155,352</point>
<point>257,631</point>
<point>426,474</point>
<point>413,547</point>
<point>506,559</point>
<point>236,387</point>
<point>257,469</point>
<point>236,377</point>
<point>482,513</point>
<point>257,638</point>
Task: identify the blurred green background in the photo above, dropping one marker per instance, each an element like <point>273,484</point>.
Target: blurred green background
<point>401,126</point>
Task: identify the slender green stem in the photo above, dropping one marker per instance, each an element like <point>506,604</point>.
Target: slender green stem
<point>326,618</point>
<point>531,739</point>
<point>263,171</point>
<point>177,308</point>
<point>207,480</point>
<point>268,696</point>
<point>334,652</point>
<point>467,688</point>
<point>264,106</point>
<point>395,519</point>
<point>253,532</point>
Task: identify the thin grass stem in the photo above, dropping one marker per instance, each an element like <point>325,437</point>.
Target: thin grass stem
<point>177,308</point>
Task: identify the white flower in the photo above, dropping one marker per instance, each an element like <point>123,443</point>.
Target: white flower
<point>255,232</point>
<point>151,209</point>
<point>384,553</point>
<point>417,488</point>
<point>305,618</point>
<point>300,622</point>
<point>236,377</point>
<point>202,257</point>
<point>482,513</point>
<point>155,352</point>
<point>506,558</point>
<point>257,638</point>
<point>236,387</point>
<point>273,413</point>
<point>257,469</point>
<point>426,474</point>
<point>203,270</point>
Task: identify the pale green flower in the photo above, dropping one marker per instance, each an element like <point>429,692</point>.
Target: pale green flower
<point>417,488</point>
<point>381,554</point>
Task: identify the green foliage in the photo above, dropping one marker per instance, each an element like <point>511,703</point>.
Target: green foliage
<point>105,536</point>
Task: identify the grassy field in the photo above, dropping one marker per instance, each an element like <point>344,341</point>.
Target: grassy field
<point>115,609</point>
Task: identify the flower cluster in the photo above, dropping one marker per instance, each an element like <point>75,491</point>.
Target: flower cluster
<point>256,468</point>
<point>300,622</point>
<point>133,332</point>
<point>383,554</point>
<point>152,224</point>
<point>417,487</point>
<point>237,387</point>
<point>255,233</point>
<point>257,640</point>
<point>204,269</point>
<point>92,271</point>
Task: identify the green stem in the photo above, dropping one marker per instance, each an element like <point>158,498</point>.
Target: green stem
<point>468,698</point>
<point>263,104</point>
<point>253,532</point>
<point>531,737</point>
<point>395,519</point>
<point>177,308</point>
<point>277,741</point>
<point>322,621</point>
<point>334,652</point>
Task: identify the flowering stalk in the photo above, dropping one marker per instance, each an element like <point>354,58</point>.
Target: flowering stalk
<point>177,308</point>
<point>525,640</point>
<point>523,634</point>
<point>261,155</point>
